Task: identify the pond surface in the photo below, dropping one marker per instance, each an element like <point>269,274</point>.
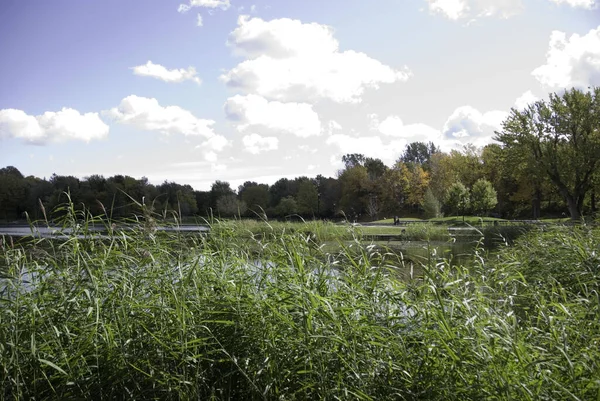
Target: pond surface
<point>58,232</point>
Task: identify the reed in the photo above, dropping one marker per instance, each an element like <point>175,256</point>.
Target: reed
<point>139,314</point>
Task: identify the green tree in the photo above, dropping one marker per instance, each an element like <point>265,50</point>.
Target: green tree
<point>286,207</point>
<point>217,190</point>
<point>431,205</point>
<point>457,199</point>
<point>563,137</point>
<point>375,168</point>
<point>419,153</point>
<point>418,181</point>
<point>483,197</point>
<point>466,165</point>
<point>353,160</point>
<point>12,192</point>
<point>256,197</point>
<point>329,195</point>
<point>229,205</point>
<point>354,185</point>
<point>307,199</point>
<point>393,191</point>
<point>441,173</point>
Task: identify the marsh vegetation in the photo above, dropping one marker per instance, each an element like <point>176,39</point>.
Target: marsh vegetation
<point>265,311</point>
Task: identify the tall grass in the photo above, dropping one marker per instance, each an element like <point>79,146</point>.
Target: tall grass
<point>146,315</point>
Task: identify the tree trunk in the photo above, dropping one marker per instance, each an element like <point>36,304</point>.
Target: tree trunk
<point>573,208</point>
<point>537,203</point>
<point>593,201</point>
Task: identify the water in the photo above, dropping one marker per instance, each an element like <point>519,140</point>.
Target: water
<point>59,232</point>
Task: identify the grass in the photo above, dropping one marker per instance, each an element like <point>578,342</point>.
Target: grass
<point>472,220</point>
<point>237,315</point>
<point>391,220</point>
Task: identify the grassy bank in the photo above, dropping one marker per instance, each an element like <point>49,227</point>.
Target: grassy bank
<point>236,315</point>
<point>319,231</point>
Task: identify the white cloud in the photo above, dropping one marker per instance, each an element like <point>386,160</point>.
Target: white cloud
<point>525,99</point>
<point>222,4</point>
<point>587,4</point>
<point>472,9</point>
<point>159,72</point>
<point>289,60</point>
<point>452,9</point>
<point>252,110</point>
<point>256,144</point>
<point>571,62</point>
<point>216,143</point>
<point>212,146</point>
<point>393,126</point>
<point>210,156</point>
<point>469,125</point>
<point>332,126</point>
<point>199,21</point>
<point>370,146</point>
<point>147,114</point>
<point>63,125</point>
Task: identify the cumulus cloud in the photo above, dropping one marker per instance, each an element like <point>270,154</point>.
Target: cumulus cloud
<point>251,111</point>
<point>473,9</point>
<point>370,146</point>
<point>333,126</point>
<point>288,60</point>
<point>159,72</point>
<point>148,115</point>
<point>211,4</point>
<point>63,125</point>
<point>572,61</point>
<point>394,127</point>
<point>587,4</point>
<point>525,99</point>
<point>468,125</point>
<point>256,144</point>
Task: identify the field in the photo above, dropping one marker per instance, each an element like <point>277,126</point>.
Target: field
<point>265,311</point>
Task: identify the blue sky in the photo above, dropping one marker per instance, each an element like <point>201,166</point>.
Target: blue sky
<point>201,90</point>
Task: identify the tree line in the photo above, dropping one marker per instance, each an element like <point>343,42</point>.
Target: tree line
<point>544,164</point>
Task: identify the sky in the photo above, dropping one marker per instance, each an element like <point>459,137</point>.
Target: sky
<point>195,91</point>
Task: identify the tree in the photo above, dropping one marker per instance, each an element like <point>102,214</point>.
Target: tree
<point>431,205</point>
<point>203,202</point>
<point>457,199</point>
<point>12,192</point>
<point>563,137</point>
<point>441,174</point>
<point>467,165</point>
<point>280,189</point>
<point>419,153</point>
<point>328,194</point>
<point>228,205</point>
<point>353,160</point>
<point>286,207</point>
<point>354,191</point>
<point>307,199</point>
<point>256,196</point>
<point>418,181</point>
<point>375,168</point>
<point>394,189</point>
<point>218,190</point>
<point>373,207</point>
<point>483,197</point>
<point>178,198</point>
